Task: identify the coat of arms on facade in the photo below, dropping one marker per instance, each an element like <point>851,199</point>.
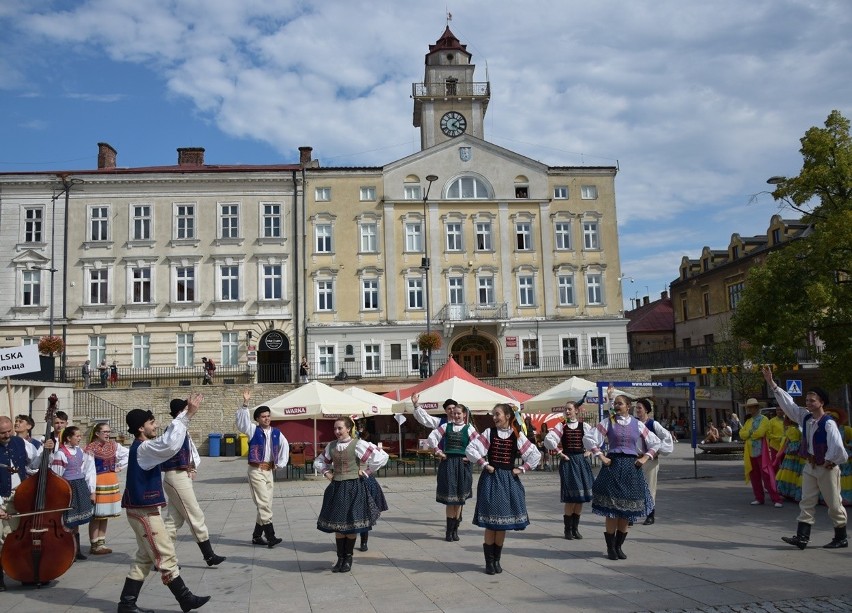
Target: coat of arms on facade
<point>465,154</point>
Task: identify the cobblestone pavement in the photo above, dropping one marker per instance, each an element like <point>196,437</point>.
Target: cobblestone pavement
<point>840,604</point>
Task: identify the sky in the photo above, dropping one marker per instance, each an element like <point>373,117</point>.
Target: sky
<point>697,104</point>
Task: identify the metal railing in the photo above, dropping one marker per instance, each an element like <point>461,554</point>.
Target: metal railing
<point>154,376</point>
<point>473,312</point>
<point>459,89</point>
<point>95,409</point>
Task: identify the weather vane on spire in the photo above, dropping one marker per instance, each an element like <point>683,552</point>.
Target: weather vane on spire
<point>449,17</point>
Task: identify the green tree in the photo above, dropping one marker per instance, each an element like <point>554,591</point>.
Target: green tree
<point>801,296</point>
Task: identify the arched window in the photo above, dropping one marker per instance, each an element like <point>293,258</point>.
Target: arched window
<point>468,188</point>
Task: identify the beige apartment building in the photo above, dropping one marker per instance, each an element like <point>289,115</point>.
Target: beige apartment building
<point>513,262</point>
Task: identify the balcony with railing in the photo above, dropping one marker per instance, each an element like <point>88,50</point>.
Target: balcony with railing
<point>455,89</point>
<point>498,311</point>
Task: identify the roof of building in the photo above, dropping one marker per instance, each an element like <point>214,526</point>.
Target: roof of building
<point>448,42</point>
<point>657,316</point>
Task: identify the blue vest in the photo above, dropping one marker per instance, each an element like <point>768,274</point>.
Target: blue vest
<point>144,488</point>
<point>181,460</point>
<point>820,438</point>
<point>12,454</point>
<point>257,445</point>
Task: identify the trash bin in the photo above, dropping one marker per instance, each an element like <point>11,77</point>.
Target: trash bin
<point>229,445</point>
<point>215,440</point>
<point>243,444</point>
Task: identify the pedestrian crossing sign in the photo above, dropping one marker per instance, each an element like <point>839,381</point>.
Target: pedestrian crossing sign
<point>794,387</point>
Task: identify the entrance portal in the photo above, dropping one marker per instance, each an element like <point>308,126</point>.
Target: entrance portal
<point>477,355</point>
<point>273,358</point>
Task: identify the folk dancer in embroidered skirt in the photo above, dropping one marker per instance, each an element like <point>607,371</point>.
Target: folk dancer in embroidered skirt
<point>788,479</point>
<point>643,411</point>
<point>373,486</point>
<point>77,467</point>
<point>620,492</point>
<point>822,446</point>
<point>348,508</point>
<point>575,470</point>
<point>110,459</point>
<point>179,472</point>
<point>455,477</point>
<point>142,500</point>
<point>501,503</point>
<point>268,450</point>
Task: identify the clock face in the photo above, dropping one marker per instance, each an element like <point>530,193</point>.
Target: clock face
<point>453,124</point>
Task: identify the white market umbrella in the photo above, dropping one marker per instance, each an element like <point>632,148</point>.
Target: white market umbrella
<point>381,404</point>
<point>473,396</point>
<point>554,399</point>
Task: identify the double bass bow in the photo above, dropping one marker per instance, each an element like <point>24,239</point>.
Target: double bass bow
<point>41,548</point>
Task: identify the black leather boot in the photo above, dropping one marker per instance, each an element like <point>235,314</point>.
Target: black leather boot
<point>207,551</point>
<point>839,541</point>
<point>448,535</point>
<point>186,599</point>
<point>575,525</point>
<point>129,594</point>
<point>619,541</point>
<point>498,551</point>
<point>456,523</point>
<point>349,547</point>
<point>341,551</point>
<point>79,555</point>
<point>365,536</point>
<point>610,546</point>
<point>649,520</point>
<point>802,537</point>
<point>257,536</point>
<point>488,550</point>
<point>568,520</point>
<point>271,539</point>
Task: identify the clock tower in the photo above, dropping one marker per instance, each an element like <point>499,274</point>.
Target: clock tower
<point>449,103</point>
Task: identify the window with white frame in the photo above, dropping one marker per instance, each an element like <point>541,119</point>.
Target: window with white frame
<point>325,357</point>
<point>411,192</point>
<point>529,348</point>
<point>560,192</point>
<point>322,194</point>
<point>456,290</point>
<point>523,236</point>
<point>526,291</point>
<point>325,295</point>
<point>140,285</point>
<point>323,236</point>
<point>414,355</point>
<point>368,194</point>
<point>33,225</point>
<point>185,348</point>
<point>370,294</point>
<point>570,352</point>
<point>99,223</point>
<point>562,230</point>
<point>272,282</point>
<point>591,239</point>
<point>588,192</point>
<point>373,359</point>
<point>468,188</point>
<point>97,349</point>
<point>597,346</point>
<point>141,222</point>
<point>229,283</point>
<point>30,340</point>
<point>98,286</point>
<point>31,288</point>
<point>184,221</point>
<point>271,219</point>
<point>454,236</point>
<point>185,284</point>
<point>229,220</point>
<point>141,350</point>
<point>369,237</point>
<point>594,288</point>
<point>483,236</point>
<point>565,287</point>
<point>230,348</point>
<point>485,291</point>
<point>414,237</point>
<point>415,293</point>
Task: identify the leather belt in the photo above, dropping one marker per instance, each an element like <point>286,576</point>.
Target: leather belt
<point>262,465</point>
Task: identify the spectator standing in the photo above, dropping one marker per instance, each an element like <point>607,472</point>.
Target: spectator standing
<point>424,364</point>
<point>103,371</point>
<point>113,374</point>
<point>304,370</point>
<point>734,422</point>
<point>209,369</point>
<point>86,371</point>
<point>822,445</point>
<point>758,468</point>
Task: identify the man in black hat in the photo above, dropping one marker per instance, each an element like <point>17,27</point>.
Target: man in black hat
<point>178,473</point>
<point>430,421</point>
<point>143,497</point>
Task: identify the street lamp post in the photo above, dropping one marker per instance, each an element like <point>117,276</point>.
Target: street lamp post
<point>424,265</point>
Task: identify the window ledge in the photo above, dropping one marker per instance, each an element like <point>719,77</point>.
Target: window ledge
<point>136,244</point>
<point>97,245</point>
<point>35,246</point>
<point>184,242</point>
<point>271,240</point>
<point>228,241</point>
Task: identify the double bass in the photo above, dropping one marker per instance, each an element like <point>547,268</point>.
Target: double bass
<point>41,548</point>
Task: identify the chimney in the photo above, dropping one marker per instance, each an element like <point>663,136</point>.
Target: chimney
<point>664,295</point>
<point>190,156</point>
<point>106,156</point>
<point>645,300</point>
<point>305,156</point>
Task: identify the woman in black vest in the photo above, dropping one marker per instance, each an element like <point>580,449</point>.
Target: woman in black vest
<point>500,498</point>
